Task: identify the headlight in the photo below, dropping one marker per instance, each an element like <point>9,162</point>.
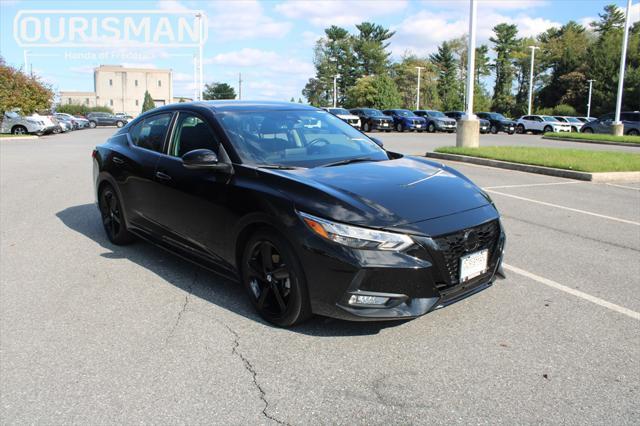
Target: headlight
<point>356,237</point>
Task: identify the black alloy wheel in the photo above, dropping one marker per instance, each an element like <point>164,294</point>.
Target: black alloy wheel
<point>633,132</point>
<point>431,128</point>
<point>494,129</point>
<point>112,219</point>
<point>520,129</point>
<point>366,127</point>
<point>274,280</point>
<point>574,129</point>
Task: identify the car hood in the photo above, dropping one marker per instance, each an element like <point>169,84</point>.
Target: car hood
<point>384,193</point>
<point>348,116</point>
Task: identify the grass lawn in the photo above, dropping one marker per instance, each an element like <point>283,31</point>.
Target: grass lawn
<point>570,159</point>
<point>595,137</point>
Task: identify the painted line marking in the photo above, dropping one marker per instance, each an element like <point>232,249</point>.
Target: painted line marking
<point>623,186</point>
<point>616,219</point>
<point>526,185</point>
<point>617,308</point>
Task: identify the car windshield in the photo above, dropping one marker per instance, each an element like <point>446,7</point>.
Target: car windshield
<point>436,114</point>
<point>572,120</point>
<point>340,111</point>
<point>549,118</point>
<point>373,112</point>
<point>297,138</point>
<point>497,116</point>
<point>405,113</point>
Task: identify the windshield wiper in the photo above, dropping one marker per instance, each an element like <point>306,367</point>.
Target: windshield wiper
<point>277,167</point>
<point>349,161</point>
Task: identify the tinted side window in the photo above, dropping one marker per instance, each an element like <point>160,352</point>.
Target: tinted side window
<point>630,116</point>
<point>192,133</point>
<point>150,133</point>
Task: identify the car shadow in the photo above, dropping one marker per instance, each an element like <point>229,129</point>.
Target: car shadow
<point>209,286</point>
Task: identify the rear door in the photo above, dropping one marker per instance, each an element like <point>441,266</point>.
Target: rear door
<point>603,124</point>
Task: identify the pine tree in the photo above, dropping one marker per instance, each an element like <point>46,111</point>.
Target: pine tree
<point>148,103</point>
<point>505,41</point>
<point>448,82</point>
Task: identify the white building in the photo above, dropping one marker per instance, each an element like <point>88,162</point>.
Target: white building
<point>122,89</point>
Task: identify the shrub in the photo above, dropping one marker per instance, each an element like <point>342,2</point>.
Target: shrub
<point>77,109</point>
<point>564,109</point>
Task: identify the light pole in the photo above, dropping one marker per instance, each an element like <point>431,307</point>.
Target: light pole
<point>533,53</point>
<point>589,101</point>
<point>418,91</point>
<point>468,132</point>
<point>335,90</point>
<point>618,127</point>
<point>195,78</point>
<point>199,16</point>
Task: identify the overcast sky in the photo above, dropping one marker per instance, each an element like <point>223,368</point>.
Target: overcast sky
<point>270,42</point>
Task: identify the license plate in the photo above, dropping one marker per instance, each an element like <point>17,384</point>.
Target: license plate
<point>418,125</point>
<point>473,264</point>
<point>385,124</point>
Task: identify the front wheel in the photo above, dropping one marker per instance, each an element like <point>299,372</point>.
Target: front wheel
<point>274,279</point>
<point>92,124</point>
<point>399,127</point>
<point>494,130</point>
<point>574,129</point>
<point>520,129</point>
<point>366,127</point>
<point>119,124</point>
<point>547,129</point>
<point>431,128</point>
<point>587,130</point>
<point>19,130</point>
<point>112,217</point>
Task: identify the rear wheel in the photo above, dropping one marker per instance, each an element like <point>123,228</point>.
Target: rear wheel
<point>119,124</point>
<point>520,129</point>
<point>431,128</point>
<point>19,130</point>
<point>274,279</point>
<point>633,132</point>
<point>112,218</point>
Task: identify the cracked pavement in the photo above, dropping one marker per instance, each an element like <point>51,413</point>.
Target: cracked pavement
<point>91,333</point>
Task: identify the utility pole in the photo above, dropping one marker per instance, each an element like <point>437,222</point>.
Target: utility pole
<point>199,16</point>
<point>589,101</point>
<point>533,53</point>
<point>195,78</point>
<point>468,132</point>
<point>618,127</point>
<point>418,91</point>
<point>335,90</point>
<point>239,86</point>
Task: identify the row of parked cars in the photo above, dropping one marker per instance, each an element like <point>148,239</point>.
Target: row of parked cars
<point>400,120</point>
<point>57,122</point>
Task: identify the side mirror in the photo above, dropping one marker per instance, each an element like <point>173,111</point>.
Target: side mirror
<point>204,159</point>
<point>377,142</point>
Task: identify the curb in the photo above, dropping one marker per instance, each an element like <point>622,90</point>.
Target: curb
<point>549,171</point>
<point>636,145</point>
<point>22,138</point>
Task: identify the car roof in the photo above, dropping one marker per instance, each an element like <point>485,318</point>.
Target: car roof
<point>235,105</point>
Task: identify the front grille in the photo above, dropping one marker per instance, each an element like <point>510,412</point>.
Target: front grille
<point>352,120</point>
<point>452,247</point>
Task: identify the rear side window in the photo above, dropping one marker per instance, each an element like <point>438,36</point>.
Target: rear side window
<point>630,116</point>
<point>151,132</point>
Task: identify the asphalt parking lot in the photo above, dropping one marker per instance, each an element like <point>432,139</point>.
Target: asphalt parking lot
<point>92,333</point>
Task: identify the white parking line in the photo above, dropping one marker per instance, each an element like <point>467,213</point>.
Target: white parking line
<point>617,308</point>
<point>623,186</point>
<point>617,219</point>
<point>526,185</point>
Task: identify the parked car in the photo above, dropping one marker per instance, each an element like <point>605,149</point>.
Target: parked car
<point>82,121</point>
<point>105,119</point>
<point>541,124</point>
<point>586,119</point>
<point>14,123</point>
<point>575,124</point>
<point>124,115</point>
<point>309,220</point>
<point>485,125</point>
<point>69,119</point>
<point>630,119</point>
<point>345,116</point>
<point>498,122</point>
<point>437,121</point>
<point>373,119</point>
<point>403,119</point>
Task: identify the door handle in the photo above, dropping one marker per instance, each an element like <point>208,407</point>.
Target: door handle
<point>117,160</point>
<point>163,176</point>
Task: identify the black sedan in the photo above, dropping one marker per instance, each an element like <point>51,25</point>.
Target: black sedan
<point>499,123</point>
<point>311,215</point>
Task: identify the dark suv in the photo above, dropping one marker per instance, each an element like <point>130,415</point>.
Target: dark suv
<point>403,119</point>
<point>499,123</point>
<point>372,119</point>
<point>437,121</point>
<point>630,119</point>
<point>105,119</point>
<point>485,125</point>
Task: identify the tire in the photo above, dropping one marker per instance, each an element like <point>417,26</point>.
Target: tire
<point>399,127</point>
<point>112,217</point>
<point>633,132</point>
<point>494,129</point>
<point>19,130</point>
<point>366,127</point>
<point>93,124</point>
<point>420,131</point>
<point>574,129</point>
<point>431,128</point>
<point>547,129</point>
<point>119,124</point>
<point>57,130</point>
<point>520,129</point>
<point>587,130</point>
<point>511,132</point>
<point>274,279</point>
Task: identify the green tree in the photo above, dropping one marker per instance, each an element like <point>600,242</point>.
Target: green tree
<point>405,75</point>
<point>19,90</point>
<point>378,91</point>
<point>148,103</point>
<point>446,67</point>
<point>370,47</point>
<point>75,109</point>
<point>215,91</point>
<point>611,18</point>
<point>504,42</point>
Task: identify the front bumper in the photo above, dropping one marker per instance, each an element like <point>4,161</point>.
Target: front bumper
<point>445,127</point>
<point>410,125</point>
<point>382,125</point>
<point>559,129</point>
<point>415,282</point>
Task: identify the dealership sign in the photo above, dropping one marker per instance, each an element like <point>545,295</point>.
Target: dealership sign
<point>100,28</point>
